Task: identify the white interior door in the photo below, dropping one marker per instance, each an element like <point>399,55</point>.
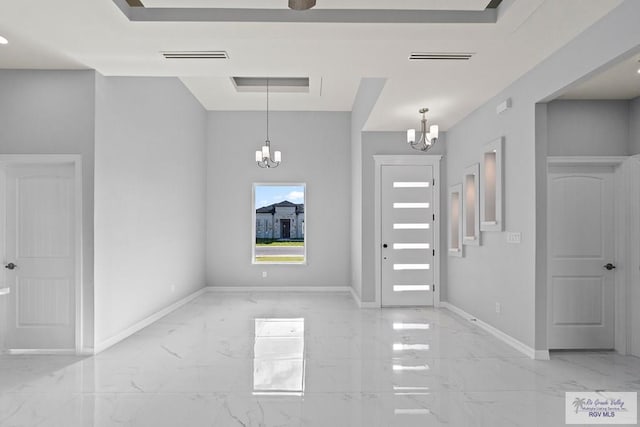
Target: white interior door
<point>407,218</point>
<point>40,256</point>
<point>580,243</point>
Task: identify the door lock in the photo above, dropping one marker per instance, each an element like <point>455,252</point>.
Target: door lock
<point>10,266</point>
<point>609,266</point>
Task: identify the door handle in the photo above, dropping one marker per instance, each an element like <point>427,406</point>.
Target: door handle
<point>609,266</point>
<point>10,266</point>
<point>384,246</point>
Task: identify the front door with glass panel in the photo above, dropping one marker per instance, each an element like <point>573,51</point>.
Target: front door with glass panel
<point>407,235</point>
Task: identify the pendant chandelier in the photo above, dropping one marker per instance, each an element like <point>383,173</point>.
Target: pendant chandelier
<point>301,4</point>
<point>427,139</point>
<point>263,156</point>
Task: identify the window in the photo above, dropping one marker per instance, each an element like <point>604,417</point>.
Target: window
<point>279,235</point>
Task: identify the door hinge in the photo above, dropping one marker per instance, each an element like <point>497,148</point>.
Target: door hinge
<point>434,288</point>
<point>434,181</point>
<point>434,217</point>
<point>434,252</point>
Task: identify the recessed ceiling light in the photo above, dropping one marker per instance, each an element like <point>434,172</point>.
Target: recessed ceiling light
<point>3,40</point>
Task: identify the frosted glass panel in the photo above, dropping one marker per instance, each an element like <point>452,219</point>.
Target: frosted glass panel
<point>424,226</point>
<point>411,266</point>
<point>402,246</point>
<point>411,288</point>
<point>421,184</point>
<point>411,205</point>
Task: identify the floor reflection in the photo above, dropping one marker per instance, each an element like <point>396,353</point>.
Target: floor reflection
<point>408,358</point>
<point>278,363</point>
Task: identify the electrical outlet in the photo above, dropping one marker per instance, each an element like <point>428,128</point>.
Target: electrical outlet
<point>498,308</point>
<point>514,237</point>
<point>264,274</point>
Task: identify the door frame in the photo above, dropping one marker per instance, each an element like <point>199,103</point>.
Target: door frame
<point>621,205</point>
<point>51,159</point>
<point>406,160</point>
<point>633,247</point>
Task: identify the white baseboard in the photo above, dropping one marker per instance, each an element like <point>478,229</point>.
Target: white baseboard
<point>518,345</point>
<point>542,355</point>
<point>341,289</point>
<point>146,322</point>
<point>359,302</point>
<point>41,352</point>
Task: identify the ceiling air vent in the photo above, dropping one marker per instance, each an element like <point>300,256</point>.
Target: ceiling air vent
<point>439,56</point>
<point>196,54</point>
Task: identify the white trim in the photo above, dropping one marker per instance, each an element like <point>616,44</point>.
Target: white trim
<point>632,259</point>
<point>406,160</point>
<point>359,302</point>
<point>621,231</point>
<point>79,297</point>
<point>76,161</point>
<point>586,160</point>
<point>146,322</point>
<point>41,352</point>
<point>508,339</point>
<point>341,289</point>
<point>542,355</point>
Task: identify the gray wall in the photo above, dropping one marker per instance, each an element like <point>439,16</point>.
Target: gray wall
<point>366,98</point>
<point>149,197</point>
<point>501,272</point>
<point>52,112</point>
<point>634,126</point>
<point>588,128</point>
<point>392,143</point>
<point>315,150</point>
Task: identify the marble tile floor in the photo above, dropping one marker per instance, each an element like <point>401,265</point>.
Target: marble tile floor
<point>294,359</point>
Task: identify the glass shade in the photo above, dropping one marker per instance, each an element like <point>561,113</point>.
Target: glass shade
<point>434,131</point>
<point>258,156</point>
<point>411,136</point>
<point>277,156</point>
<point>265,151</point>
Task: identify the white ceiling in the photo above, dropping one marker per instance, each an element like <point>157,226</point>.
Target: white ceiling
<point>95,34</point>
<point>620,81</point>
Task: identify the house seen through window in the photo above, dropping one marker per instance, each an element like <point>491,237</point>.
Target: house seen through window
<point>279,224</point>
